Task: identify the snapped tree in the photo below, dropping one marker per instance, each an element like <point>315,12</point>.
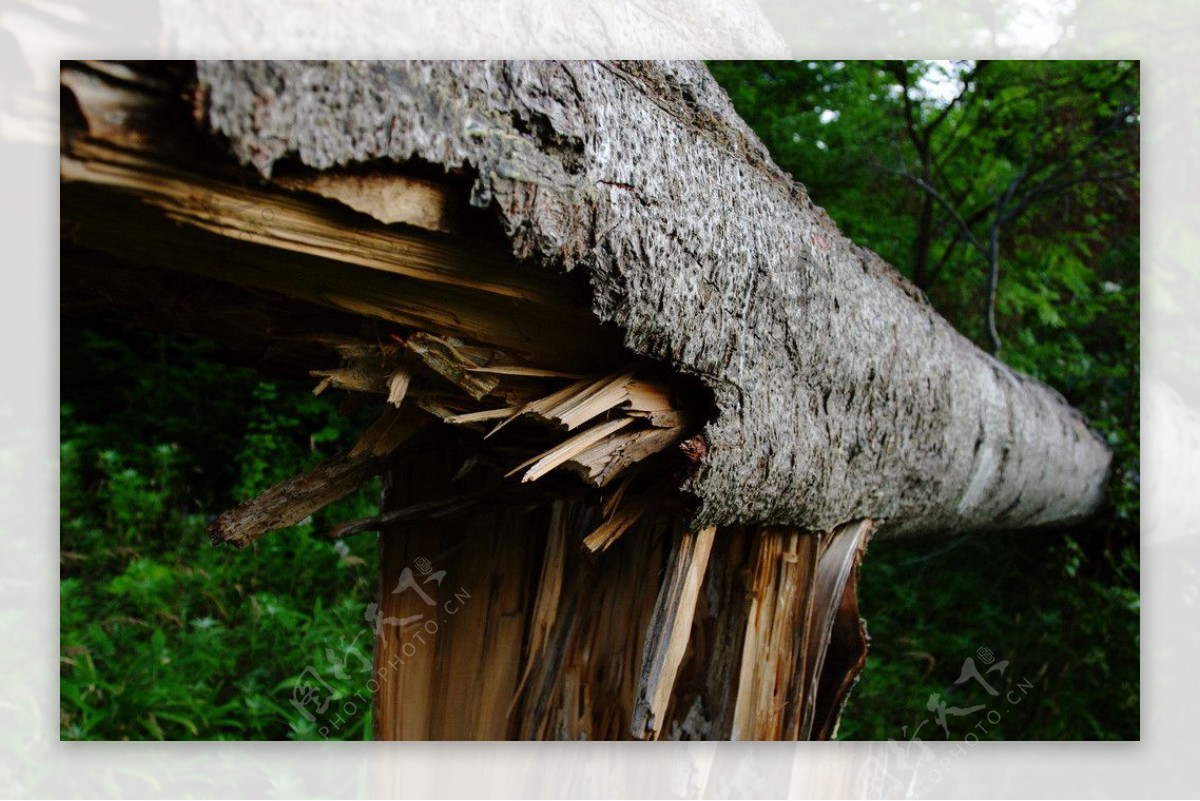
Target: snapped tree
<point>641,404</point>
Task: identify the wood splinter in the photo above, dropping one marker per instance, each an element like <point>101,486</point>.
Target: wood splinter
<point>291,501</point>
<point>670,630</point>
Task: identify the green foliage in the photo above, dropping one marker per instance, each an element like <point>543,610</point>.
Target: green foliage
<point>1068,629</point>
<point>164,636</point>
<point>1063,136</point>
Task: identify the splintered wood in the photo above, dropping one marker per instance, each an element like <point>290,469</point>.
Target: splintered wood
<point>797,600</point>
<point>450,380</point>
<point>670,630</point>
<point>139,182</point>
<point>422,376</point>
<point>446,360</point>
<point>743,633</point>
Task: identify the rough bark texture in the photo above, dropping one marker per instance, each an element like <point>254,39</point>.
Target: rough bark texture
<point>840,394</point>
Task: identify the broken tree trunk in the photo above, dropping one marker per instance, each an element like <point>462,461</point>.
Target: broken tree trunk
<point>641,404</point>
<point>840,394</point>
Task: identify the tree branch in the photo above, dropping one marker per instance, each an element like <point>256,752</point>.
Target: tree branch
<point>993,276</point>
<point>949,207</point>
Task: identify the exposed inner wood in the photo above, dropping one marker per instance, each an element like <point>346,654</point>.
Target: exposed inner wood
<point>796,597</point>
<point>584,683</point>
<point>267,239</point>
<point>451,623</point>
<point>387,197</point>
<point>605,654</point>
<point>139,182</point>
<point>845,653</point>
<point>549,589</point>
<point>670,630</point>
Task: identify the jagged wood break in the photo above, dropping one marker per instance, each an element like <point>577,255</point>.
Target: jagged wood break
<point>626,500</point>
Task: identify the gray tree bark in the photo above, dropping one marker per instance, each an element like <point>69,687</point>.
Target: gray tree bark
<point>839,393</point>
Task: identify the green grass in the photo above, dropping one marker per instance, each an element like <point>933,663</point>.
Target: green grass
<point>164,636</point>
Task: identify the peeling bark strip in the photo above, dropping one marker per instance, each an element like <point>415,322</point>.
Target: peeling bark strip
<point>840,394</point>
